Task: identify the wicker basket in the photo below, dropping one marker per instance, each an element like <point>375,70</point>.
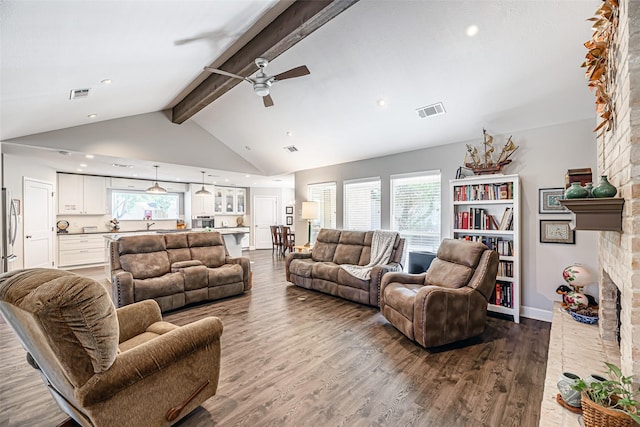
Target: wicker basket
<point>594,415</point>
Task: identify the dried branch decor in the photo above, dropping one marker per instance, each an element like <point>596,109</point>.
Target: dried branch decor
<point>600,64</point>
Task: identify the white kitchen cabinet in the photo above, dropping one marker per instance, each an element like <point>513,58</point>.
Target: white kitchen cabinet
<point>230,201</point>
<point>80,250</point>
<point>81,194</point>
<point>201,205</point>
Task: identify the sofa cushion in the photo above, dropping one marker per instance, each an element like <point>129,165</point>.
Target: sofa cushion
<point>141,244</point>
<point>325,270</point>
<point>177,247</point>
<point>347,279</point>
<point>301,267</point>
<point>325,246</point>
<point>167,284</point>
<point>349,249</point>
<point>224,275</point>
<point>448,274</point>
<point>208,248</point>
<point>146,265</point>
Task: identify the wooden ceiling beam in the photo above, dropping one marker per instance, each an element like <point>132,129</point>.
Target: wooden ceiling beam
<point>297,21</point>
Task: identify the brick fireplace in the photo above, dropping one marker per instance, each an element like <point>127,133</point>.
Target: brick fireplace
<point>619,159</point>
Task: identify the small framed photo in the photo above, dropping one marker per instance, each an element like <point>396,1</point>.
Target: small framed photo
<point>557,231</point>
<point>549,201</point>
<point>289,220</point>
<point>289,210</point>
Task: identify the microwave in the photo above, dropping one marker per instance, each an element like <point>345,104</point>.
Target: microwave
<point>203,222</point>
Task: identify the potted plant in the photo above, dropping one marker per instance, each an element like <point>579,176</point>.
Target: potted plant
<point>611,402</point>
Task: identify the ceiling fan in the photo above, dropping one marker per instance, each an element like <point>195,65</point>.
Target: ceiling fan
<point>262,82</point>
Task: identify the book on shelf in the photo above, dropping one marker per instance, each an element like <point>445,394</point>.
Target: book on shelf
<point>480,192</point>
<point>503,294</point>
<point>475,219</point>
<point>506,223</point>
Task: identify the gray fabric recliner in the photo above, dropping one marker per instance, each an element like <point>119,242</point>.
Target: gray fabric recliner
<point>446,304</point>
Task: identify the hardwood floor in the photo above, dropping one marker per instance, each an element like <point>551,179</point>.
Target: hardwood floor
<point>293,357</point>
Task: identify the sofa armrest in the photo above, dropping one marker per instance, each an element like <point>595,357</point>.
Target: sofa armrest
<point>150,358</point>
<point>377,274</point>
<point>444,315</point>
<point>290,257</point>
<point>121,288</point>
<point>245,263</point>
<point>414,279</point>
<point>135,318</point>
<point>176,266</point>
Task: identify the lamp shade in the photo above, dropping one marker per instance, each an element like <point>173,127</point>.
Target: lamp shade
<point>310,210</point>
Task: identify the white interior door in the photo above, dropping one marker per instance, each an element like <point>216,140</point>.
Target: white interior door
<point>264,215</point>
<point>38,224</point>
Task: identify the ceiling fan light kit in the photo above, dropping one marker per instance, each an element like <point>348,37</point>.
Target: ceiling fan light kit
<point>262,82</point>
<point>155,188</point>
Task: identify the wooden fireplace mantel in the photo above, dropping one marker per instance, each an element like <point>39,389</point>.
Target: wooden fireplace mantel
<point>596,214</point>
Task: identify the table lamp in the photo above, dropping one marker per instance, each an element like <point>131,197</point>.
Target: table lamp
<point>309,212</point>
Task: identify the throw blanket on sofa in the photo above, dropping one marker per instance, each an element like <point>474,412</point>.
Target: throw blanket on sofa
<point>381,248</point>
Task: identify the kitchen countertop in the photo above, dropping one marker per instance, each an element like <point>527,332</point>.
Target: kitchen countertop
<point>159,230</point>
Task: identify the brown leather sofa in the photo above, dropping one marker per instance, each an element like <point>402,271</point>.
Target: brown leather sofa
<point>108,367</point>
<point>175,269</point>
<point>448,303</point>
<point>320,269</point>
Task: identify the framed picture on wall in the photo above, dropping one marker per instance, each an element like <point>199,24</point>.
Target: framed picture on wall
<point>289,220</point>
<point>289,210</point>
<point>557,231</point>
<point>549,201</point>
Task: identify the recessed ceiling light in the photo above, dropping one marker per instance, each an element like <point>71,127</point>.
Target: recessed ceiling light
<point>472,30</point>
<point>89,156</point>
<point>82,165</point>
<point>135,174</point>
<point>381,102</point>
<point>92,116</point>
<point>247,176</point>
<point>226,180</point>
<point>106,82</point>
<point>289,133</point>
<point>79,170</point>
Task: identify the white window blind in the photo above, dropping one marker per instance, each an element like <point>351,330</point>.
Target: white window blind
<point>325,195</point>
<point>362,204</point>
<point>415,210</point>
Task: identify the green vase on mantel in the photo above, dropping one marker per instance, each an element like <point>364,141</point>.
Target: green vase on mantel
<point>604,188</point>
<point>576,192</point>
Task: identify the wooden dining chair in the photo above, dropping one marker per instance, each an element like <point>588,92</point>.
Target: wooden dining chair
<point>276,242</point>
<point>288,239</point>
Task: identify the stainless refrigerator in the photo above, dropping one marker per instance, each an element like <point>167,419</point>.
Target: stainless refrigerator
<point>9,231</point>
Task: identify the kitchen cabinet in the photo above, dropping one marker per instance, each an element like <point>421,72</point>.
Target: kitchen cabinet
<point>82,194</point>
<point>201,205</point>
<point>80,250</point>
<point>143,184</point>
<point>230,201</point>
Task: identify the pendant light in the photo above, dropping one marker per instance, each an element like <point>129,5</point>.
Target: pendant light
<point>203,191</point>
<point>156,188</point>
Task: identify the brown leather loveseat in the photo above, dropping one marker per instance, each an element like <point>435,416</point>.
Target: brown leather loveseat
<point>175,269</point>
<point>320,269</point>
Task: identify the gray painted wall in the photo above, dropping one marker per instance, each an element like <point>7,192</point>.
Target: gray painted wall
<point>150,137</point>
<point>542,160</point>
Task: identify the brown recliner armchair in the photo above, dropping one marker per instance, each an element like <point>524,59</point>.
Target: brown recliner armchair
<point>108,367</point>
<point>448,303</point>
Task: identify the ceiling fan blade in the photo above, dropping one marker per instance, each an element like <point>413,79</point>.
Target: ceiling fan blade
<point>225,73</point>
<point>267,100</point>
<point>294,72</point>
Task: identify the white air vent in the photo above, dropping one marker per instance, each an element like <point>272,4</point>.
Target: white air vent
<point>431,110</point>
<point>79,93</point>
<point>291,148</point>
<point>120,165</point>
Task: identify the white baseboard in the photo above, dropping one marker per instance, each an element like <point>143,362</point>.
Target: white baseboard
<point>536,313</point>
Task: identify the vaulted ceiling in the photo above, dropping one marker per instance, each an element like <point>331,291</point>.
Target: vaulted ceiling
<point>371,67</point>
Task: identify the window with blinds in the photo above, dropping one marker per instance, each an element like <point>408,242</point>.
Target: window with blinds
<point>325,195</point>
<point>362,204</point>
<point>415,210</point>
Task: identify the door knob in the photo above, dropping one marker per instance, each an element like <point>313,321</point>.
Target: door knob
<point>28,237</point>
